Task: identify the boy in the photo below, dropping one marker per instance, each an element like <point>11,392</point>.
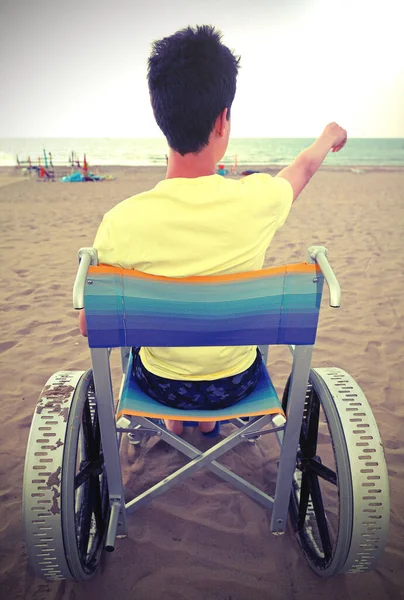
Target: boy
<point>196,222</point>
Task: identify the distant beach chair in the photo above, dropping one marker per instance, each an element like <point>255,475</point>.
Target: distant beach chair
<point>46,174</point>
<point>332,477</point>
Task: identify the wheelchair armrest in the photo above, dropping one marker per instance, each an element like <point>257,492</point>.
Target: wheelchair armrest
<point>87,257</point>
<point>318,254</point>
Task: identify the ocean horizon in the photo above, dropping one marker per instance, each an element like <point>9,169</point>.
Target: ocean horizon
<point>151,151</point>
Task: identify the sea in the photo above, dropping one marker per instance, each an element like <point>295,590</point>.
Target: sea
<point>358,152</point>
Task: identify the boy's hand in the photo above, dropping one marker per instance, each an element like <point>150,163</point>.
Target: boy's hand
<point>336,135</point>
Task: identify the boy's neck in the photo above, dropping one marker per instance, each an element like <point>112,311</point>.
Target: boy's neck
<point>191,165</point>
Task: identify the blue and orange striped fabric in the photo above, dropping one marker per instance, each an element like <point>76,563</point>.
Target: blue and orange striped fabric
<point>262,401</point>
<point>273,306</point>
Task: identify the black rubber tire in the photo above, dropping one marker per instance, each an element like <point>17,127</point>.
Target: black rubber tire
<point>322,491</point>
<point>84,488</point>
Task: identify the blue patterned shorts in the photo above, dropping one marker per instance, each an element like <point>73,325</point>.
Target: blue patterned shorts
<point>189,395</point>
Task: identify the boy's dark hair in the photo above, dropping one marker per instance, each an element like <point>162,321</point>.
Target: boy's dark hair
<point>192,78</point>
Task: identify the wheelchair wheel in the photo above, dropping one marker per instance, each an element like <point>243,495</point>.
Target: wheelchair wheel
<point>339,504</point>
<point>66,504</point>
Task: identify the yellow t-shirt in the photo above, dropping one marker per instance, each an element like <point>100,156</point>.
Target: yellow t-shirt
<point>201,226</point>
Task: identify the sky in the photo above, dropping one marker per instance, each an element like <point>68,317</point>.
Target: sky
<point>78,68</point>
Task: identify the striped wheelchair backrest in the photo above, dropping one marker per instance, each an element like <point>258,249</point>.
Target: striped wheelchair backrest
<point>273,306</point>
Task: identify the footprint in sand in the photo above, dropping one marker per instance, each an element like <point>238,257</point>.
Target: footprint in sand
<point>392,444</point>
<point>28,329</point>
<point>26,292</point>
<point>22,272</point>
<point>63,337</point>
<point>22,307</point>
<point>373,346</point>
<point>373,350</point>
<point>4,346</point>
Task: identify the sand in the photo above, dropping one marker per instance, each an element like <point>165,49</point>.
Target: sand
<point>202,540</point>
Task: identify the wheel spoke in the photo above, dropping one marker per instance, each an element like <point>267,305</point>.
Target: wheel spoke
<point>313,418</point>
<point>88,468</point>
<point>93,506</point>
<point>89,474</point>
<point>83,475</point>
<point>315,466</point>
<point>97,529</point>
<point>96,436</point>
<point>87,427</point>
<point>97,504</point>
<point>304,501</point>
<point>85,525</point>
<point>309,433</point>
<point>318,506</point>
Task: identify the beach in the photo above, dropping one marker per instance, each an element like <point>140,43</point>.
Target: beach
<point>202,539</point>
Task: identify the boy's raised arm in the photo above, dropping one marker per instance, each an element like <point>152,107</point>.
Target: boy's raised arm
<point>309,160</point>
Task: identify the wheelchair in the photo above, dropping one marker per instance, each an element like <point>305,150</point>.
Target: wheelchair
<point>332,478</point>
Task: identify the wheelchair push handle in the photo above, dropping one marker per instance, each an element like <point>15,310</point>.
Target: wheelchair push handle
<point>318,254</point>
<point>87,257</point>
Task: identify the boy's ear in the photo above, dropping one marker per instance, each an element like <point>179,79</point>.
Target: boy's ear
<point>222,122</point>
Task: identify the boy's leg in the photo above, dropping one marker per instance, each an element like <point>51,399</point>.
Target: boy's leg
<point>176,427</point>
<point>207,427</point>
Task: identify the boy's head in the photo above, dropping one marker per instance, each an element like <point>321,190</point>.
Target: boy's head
<point>192,79</point>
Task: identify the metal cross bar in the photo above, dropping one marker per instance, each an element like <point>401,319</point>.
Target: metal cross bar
<point>199,460</point>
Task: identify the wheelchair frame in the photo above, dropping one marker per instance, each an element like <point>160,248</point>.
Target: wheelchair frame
<point>365,542</point>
